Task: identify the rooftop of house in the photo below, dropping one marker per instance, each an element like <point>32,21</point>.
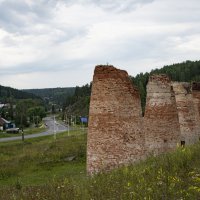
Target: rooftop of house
<point>3,121</point>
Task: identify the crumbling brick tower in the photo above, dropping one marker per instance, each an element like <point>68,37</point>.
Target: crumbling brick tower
<point>186,113</point>
<point>196,100</point>
<point>162,131</point>
<point>115,132</point>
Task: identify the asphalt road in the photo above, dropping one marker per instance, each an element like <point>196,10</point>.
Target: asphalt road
<point>49,121</point>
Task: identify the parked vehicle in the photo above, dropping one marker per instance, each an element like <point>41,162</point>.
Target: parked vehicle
<point>12,130</point>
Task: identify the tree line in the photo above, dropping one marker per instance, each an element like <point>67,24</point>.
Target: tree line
<point>23,112</point>
<point>21,107</point>
<point>7,92</point>
<point>53,95</point>
<point>78,104</point>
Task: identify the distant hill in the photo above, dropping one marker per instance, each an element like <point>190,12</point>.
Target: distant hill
<point>8,92</point>
<point>188,71</point>
<point>53,95</point>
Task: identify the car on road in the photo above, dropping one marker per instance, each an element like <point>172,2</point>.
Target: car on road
<point>12,130</point>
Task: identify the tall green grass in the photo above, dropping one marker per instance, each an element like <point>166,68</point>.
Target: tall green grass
<point>39,160</point>
<point>40,170</point>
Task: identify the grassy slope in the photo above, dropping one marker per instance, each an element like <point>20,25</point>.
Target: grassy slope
<point>40,159</point>
<point>39,170</point>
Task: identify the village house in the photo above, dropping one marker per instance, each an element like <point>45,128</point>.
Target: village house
<point>5,124</point>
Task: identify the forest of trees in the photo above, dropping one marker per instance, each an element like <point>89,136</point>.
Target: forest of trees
<point>7,92</point>
<point>22,108</point>
<point>78,104</point>
<point>53,95</point>
<point>23,111</point>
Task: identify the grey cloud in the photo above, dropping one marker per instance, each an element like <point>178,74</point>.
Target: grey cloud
<point>15,16</point>
<point>8,41</point>
<point>41,66</point>
<point>71,33</point>
<point>119,5</point>
<point>18,16</point>
<point>159,45</point>
<point>42,9</point>
<point>176,11</point>
<point>112,5</point>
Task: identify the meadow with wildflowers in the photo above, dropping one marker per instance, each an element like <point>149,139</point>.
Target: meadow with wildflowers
<point>56,169</point>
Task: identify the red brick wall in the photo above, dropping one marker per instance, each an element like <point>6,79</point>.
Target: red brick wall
<point>196,100</point>
<point>115,132</point>
<point>186,111</point>
<point>162,131</point>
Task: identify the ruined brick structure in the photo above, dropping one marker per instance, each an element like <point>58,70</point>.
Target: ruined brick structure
<point>162,131</point>
<point>196,101</point>
<point>117,132</point>
<point>187,114</point>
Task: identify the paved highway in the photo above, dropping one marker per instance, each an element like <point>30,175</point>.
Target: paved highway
<point>51,126</point>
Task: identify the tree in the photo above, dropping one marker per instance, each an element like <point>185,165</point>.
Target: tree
<point>21,109</point>
<point>53,110</point>
<point>36,114</point>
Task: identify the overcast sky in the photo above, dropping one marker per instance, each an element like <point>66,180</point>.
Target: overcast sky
<point>57,43</point>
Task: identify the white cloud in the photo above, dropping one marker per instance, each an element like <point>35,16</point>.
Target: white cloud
<point>47,79</point>
<point>66,39</point>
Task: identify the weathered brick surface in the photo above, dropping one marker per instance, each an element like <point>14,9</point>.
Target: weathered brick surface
<point>196,101</point>
<point>186,111</point>
<point>162,131</point>
<point>115,132</point>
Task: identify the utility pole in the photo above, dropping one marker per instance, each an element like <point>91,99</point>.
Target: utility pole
<point>75,122</point>
<point>22,126</point>
<point>81,123</point>
<point>72,122</point>
<point>68,126</point>
<point>54,130</point>
<point>37,120</point>
<point>33,120</point>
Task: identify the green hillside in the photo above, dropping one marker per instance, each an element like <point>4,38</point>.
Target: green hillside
<point>8,93</point>
<point>53,95</point>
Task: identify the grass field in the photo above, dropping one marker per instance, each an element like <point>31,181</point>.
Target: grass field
<point>45,168</point>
